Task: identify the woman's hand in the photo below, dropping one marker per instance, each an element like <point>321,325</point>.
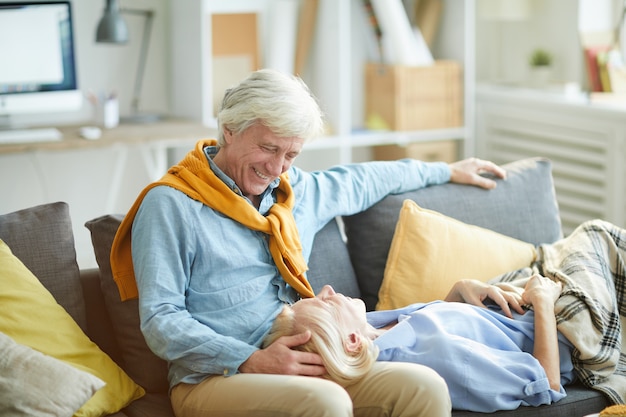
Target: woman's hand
<point>475,292</point>
<point>280,358</point>
<point>541,289</point>
<point>541,293</point>
<point>468,171</point>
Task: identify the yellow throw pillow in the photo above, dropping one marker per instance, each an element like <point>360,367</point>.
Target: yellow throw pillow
<point>32,317</point>
<point>430,252</point>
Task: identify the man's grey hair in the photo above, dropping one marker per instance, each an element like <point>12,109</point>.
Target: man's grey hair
<point>281,102</point>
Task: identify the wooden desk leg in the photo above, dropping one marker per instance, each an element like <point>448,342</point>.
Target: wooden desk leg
<point>155,159</point>
<point>121,156</point>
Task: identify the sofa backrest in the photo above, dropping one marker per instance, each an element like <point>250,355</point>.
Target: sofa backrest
<point>330,262</point>
<point>143,366</point>
<point>523,206</point>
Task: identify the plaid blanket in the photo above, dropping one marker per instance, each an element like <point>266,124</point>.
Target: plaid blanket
<point>590,264</point>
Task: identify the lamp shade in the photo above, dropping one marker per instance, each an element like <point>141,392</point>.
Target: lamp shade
<point>112,27</point>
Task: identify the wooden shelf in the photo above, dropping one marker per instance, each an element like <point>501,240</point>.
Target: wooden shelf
<point>336,73</point>
<point>376,138</point>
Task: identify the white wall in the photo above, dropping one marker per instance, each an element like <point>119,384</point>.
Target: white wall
<point>104,67</point>
<point>82,178</point>
<point>503,47</point>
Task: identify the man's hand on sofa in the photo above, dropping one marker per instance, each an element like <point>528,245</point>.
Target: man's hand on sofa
<point>468,171</point>
<point>472,291</point>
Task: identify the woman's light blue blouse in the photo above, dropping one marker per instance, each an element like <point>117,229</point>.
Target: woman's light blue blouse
<point>484,356</point>
<point>208,287</point>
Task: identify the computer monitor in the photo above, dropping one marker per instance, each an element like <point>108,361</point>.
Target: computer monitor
<point>37,61</point>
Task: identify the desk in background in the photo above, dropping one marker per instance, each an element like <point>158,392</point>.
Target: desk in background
<point>153,139</point>
<point>95,177</point>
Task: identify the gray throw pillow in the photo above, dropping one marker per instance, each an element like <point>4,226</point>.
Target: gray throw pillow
<point>141,364</point>
<point>523,206</point>
<point>43,239</point>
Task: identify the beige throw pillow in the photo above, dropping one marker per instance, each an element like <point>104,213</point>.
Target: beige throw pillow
<point>430,252</point>
<point>36,385</point>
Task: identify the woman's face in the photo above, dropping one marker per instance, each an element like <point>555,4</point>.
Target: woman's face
<point>351,310</point>
<point>256,157</point>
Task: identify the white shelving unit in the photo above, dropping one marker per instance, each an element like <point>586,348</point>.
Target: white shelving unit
<point>334,73</point>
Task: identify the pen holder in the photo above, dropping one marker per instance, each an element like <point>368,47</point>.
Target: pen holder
<point>108,113</point>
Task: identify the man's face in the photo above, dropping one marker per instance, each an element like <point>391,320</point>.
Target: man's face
<point>350,310</point>
<point>256,157</point>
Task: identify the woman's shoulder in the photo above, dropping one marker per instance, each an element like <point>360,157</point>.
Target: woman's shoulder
<point>380,318</point>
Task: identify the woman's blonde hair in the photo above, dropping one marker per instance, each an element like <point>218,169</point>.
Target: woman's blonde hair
<point>281,102</point>
<point>329,339</point>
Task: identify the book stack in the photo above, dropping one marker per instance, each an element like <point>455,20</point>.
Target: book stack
<point>606,70</point>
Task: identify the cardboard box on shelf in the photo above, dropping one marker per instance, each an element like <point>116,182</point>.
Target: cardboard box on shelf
<point>414,98</point>
<point>444,151</point>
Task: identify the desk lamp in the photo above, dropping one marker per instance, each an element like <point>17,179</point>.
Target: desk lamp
<point>112,29</point>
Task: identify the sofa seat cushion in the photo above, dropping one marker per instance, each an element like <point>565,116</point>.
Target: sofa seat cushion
<point>418,268</point>
<point>151,405</point>
<point>580,401</point>
<point>42,238</point>
<point>36,385</point>
<point>523,206</point>
<point>32,317</point>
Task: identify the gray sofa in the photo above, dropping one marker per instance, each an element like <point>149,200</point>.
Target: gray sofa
<point>523,206</point>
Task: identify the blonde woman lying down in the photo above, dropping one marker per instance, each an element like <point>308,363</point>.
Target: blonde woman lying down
<point>490,358</point>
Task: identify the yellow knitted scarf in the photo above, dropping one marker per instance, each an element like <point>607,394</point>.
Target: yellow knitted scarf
<point>194,177</point>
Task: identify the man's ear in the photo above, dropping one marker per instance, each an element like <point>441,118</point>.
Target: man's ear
<point>353,343</point>
<point>228,135</point>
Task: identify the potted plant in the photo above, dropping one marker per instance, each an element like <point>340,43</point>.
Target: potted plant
<point>540,58</point>
<point>540,61</point>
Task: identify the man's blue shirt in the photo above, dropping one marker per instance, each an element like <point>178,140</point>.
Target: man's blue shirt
<point>208,287</point>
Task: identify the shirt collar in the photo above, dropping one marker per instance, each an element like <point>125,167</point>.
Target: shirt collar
<point>210,152</point>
